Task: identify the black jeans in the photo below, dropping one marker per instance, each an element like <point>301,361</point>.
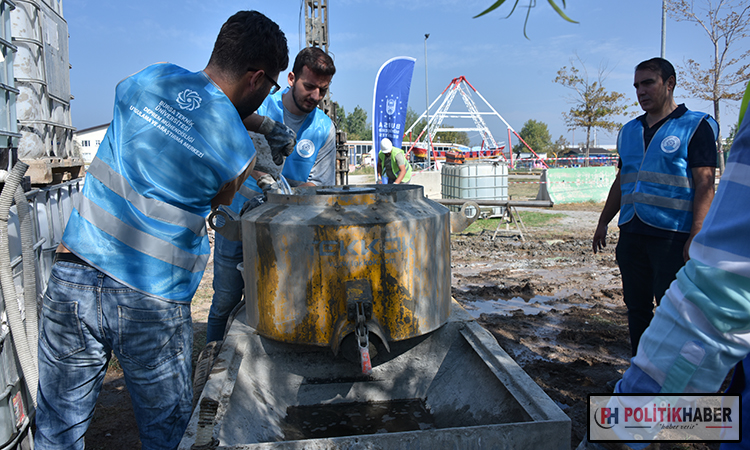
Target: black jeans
<point>648,265</point>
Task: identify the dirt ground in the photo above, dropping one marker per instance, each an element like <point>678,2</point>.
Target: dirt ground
<point>553,305</point>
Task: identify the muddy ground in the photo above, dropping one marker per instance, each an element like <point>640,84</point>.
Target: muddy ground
<point>553,305</point>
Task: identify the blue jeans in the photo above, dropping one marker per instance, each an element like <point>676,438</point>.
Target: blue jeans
<point>86,316</point>
<point>228,285</point>
<point>648,265</point>
<point>740,385</point>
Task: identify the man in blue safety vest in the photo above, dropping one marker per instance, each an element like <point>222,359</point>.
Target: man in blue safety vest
<point>700,330</point>
<point>311,163</point>
<point>134,249</point>
<point>663,190</point>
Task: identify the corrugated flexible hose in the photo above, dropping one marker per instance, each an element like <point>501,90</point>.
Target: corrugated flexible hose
<point>29,271</point>
<point>21,339</point>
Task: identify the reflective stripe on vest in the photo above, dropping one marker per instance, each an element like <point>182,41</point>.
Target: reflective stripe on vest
<point>657,184</point>
<point>141,241</point>
<point>151,207</point>
<point>141,218</point>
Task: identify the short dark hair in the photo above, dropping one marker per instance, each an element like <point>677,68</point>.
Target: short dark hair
<point>664,68</point>
<point>315,59</point>
<point>249,40</point>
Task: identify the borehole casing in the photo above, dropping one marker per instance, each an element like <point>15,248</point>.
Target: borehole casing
<point>301,251</point>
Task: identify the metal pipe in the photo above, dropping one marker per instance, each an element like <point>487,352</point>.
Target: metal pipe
<point>506,203</point>
<point>427,103</point>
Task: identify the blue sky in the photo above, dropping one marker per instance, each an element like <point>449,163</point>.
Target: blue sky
<point>111,40</point>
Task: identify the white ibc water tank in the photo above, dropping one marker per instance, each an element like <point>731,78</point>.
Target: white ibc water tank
<point>42,74</point>
<point>475,180</point>
<point>9,135</point>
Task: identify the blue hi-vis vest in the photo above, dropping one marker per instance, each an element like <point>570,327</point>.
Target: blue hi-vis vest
<point>311,137</point>
<point>658,184</point>
<point>174,140</point>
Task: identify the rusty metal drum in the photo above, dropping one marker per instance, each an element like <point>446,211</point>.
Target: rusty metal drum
<point>316,259</point>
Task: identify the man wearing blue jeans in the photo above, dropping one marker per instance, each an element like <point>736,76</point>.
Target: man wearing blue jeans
<point>663,190</point>
<point>134,249</point>
<point>311,163</point>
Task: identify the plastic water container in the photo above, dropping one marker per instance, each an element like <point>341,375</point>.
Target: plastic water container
<point>476,180</point>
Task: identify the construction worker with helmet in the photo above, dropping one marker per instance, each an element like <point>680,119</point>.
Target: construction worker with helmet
<point>393,168</point>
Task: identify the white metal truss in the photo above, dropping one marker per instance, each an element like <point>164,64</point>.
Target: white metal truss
<point>461,86</point>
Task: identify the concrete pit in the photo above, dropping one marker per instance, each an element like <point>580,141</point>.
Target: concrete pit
<point>452,388</point>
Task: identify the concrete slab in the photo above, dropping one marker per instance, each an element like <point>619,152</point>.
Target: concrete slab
<point>478,397</point>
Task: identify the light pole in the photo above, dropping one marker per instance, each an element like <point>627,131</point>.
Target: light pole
<point>427,102</point>
<point>663,29</point>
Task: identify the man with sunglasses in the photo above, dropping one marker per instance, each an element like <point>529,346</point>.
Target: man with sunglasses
<point>310,163</point>
<point>134,249</point>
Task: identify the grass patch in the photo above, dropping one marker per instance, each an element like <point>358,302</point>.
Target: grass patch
<point>205,293</point>
<point>539,219</point>
<point>582,206</point>
<point>522,191</point>
<point>603,321</point>
<point>363,170</point>
<point>529,218</point>
<point>114,364</point>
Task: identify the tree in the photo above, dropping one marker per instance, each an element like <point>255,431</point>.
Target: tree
<point>357,128</point>
<point>411,117</point>
<point>559,146</point>
<point>531,4</point>
<point>593,106</point>
<point>455,137</point>
<point>341,118</point>
<point>726,24</point>
<point>730,139</point>
<point>536,134</point>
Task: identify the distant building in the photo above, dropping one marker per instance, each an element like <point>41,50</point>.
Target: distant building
<point>88,140</point>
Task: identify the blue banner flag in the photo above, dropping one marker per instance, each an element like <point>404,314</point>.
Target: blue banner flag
<point>390,100</point>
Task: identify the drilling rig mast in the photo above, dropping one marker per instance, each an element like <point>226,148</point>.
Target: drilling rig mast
<point>316,35</point>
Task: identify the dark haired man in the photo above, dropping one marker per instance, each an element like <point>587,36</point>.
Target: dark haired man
<point>135,248</point>
<point>312,163</point>
<point>663,190</point>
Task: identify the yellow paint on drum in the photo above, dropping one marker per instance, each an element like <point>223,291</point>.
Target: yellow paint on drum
<point>301,272</point>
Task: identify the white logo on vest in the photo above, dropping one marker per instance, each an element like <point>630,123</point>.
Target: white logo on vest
<point>189,99</point>
<point>670,144</point>
<point>305,148</point>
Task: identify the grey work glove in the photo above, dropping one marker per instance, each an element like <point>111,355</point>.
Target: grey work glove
<point>280,137</point>
<point>267,183</point>
<point>252,204</point>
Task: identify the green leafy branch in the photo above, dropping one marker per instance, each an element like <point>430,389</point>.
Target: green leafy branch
<point>532,4</point>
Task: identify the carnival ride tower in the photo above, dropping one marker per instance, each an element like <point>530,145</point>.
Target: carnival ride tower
<point>461,86</point>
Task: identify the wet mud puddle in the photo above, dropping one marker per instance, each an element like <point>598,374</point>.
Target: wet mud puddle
<point>505,307</point>
<point>352,419</point>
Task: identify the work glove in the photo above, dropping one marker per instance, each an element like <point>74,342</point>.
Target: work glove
<point>252,204</point>
<point>267,183</point>
<point>280,138</point>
